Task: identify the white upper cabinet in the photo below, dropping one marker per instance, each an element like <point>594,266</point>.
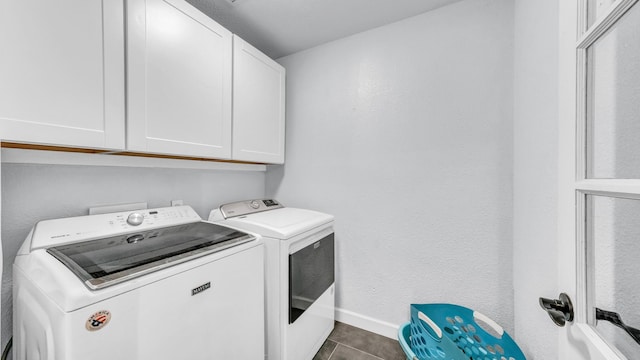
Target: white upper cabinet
<point>179,68</point>
<point>258,105</point>
<point>62,72</point>
<point>191,88</point>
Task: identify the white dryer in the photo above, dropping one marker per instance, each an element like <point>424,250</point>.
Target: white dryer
<point>299,273</point>
<point>149,285</point>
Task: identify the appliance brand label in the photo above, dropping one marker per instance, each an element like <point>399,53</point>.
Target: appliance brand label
<point>200,288</point>
<point>98,320</point>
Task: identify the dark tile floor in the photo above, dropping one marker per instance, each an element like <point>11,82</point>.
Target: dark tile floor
<point>350,343</point>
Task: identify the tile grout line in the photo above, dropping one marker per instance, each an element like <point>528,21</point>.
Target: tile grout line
<point>351,347</point>
<point>334,350</point>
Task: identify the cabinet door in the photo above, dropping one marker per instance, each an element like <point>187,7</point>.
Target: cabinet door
<point>179,80</point>
<point>258,105</point>
<point>62,72</point>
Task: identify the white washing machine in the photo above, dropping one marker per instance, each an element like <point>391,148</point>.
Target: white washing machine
<point>149,285</point>
<point>299,273</point>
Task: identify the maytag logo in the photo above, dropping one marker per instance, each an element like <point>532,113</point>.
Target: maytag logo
<point>200,288</point>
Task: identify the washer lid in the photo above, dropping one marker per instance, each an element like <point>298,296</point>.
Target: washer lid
<point>104,262</point>
<point>283,223</point>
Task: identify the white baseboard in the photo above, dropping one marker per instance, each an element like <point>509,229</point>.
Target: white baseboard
<point>367,323</point>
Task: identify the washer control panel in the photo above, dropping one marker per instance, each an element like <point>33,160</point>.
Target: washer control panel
<point>59,231</point>
<point>247,207</point>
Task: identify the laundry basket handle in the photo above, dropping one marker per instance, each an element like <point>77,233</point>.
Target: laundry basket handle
<point>431,324</point>
<point>484,319</point>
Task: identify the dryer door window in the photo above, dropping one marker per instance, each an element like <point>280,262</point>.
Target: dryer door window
<point>311,273</point>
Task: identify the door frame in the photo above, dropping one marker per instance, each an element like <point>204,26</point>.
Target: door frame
<point>579,339</point>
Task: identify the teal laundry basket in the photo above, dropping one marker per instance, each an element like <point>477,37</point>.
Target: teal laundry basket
<point>452,332</point>
<point>404,338</point>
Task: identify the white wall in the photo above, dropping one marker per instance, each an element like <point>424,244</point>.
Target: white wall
<point>31,193</point>
<point>535,174</point>
<point>405,134</point>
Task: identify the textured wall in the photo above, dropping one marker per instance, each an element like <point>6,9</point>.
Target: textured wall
<point>535,174</point>
<point>36,192</point>
<point>404,133</point>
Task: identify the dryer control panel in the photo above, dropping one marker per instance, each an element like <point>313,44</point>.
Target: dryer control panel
<point>247,207</point>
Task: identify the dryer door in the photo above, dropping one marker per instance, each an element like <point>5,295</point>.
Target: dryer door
<point>311,272</point>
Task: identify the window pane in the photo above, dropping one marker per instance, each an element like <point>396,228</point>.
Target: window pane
<point>613,101</point>
<point>613,229</point>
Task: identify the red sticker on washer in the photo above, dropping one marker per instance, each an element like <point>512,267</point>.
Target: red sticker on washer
<point>98,320</point>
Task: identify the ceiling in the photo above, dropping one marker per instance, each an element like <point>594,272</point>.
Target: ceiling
<point>283,27</point>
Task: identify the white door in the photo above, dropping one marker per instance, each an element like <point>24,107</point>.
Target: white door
<point>179,80</point>
<point>62,72</point>
<point>258,105</point>
<point>599,227</point>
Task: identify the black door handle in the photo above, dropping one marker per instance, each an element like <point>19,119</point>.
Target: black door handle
<point>560,311</point>
<point>616,320</point>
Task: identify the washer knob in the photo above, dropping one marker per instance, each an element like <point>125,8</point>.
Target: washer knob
<point>135,219</point>
<point>135,238</point>
<point>255,204</point>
